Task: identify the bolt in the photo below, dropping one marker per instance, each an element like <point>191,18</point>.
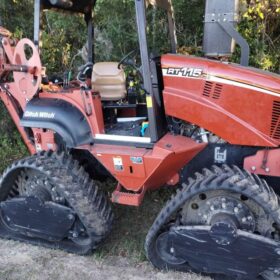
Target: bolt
<point>172,250</point>
<point>276,271</point>
<point>75,234</point>
<point>239,206</point>
<point>253,168</point>
<point>236,210</point>
<point>70,216</point>
<point>212,208</point>
<point>244,220</point>
<point>249,218</point>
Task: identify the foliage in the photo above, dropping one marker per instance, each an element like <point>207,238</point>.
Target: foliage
<point>62,38</point>
<point>11,146</point>
<point>261,27</point>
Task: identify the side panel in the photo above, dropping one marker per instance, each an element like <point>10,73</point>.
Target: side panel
<point>265,162</point>
<point>241,105</point>
<point>135,168</point>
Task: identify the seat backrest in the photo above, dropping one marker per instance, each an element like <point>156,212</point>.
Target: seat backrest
<point>109,81</point>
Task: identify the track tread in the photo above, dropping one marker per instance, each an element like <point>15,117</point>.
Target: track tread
<point>73,183</point>
<point>222,178</point>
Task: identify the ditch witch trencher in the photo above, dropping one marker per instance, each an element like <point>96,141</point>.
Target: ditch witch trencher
<point>206,126</point>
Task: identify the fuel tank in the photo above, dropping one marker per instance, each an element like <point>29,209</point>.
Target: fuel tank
<point>239,104</point>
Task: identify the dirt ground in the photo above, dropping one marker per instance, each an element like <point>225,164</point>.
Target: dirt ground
<point>20,261</point>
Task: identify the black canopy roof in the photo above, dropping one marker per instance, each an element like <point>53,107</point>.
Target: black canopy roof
<point>85,6</point>
<point>78,6</point>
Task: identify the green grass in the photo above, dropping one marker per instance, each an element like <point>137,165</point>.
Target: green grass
<point>131,227</point>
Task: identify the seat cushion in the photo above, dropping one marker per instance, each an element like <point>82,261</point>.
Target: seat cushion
<point>109,81</point>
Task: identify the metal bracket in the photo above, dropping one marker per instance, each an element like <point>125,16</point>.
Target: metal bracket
<point>231,17</point>
<point>37,18</point>
<point>128,198</point>
<point>86,97</point>
<point>245,49</point>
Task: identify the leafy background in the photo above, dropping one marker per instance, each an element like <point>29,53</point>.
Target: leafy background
<point>63,36</point>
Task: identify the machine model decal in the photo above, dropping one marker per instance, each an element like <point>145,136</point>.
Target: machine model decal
<point>43,115</point>
<point>137,160</point>
<point>118,163</point>
<point>220,155</point>
<point>183,72</point>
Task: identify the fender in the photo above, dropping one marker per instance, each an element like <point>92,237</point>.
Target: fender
<point>59,116</point>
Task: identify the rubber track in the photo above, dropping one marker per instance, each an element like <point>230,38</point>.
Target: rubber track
<point>73,183</point>
<point>224,178</point>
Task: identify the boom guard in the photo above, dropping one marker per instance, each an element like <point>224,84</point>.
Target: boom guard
<point>211,94</point>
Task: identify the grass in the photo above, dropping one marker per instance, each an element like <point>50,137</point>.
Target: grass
<point>132,225</point>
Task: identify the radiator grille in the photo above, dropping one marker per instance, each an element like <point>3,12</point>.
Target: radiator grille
<point>217,91</point>
<point>207,89</point>
<point>212,90</point>
<point>275,121</point>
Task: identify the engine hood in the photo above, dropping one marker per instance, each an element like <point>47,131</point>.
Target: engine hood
<point>226,72</point>
<point>239,104</point>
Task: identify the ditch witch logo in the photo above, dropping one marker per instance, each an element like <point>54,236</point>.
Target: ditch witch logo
<point>43,115</point>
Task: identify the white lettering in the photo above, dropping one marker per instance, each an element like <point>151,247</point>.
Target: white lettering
<point>43,115</point>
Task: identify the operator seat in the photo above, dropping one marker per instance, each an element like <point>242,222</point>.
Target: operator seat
<point>109,81</point>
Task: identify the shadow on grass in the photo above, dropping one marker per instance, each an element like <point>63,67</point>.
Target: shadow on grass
<point>132,225</point>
